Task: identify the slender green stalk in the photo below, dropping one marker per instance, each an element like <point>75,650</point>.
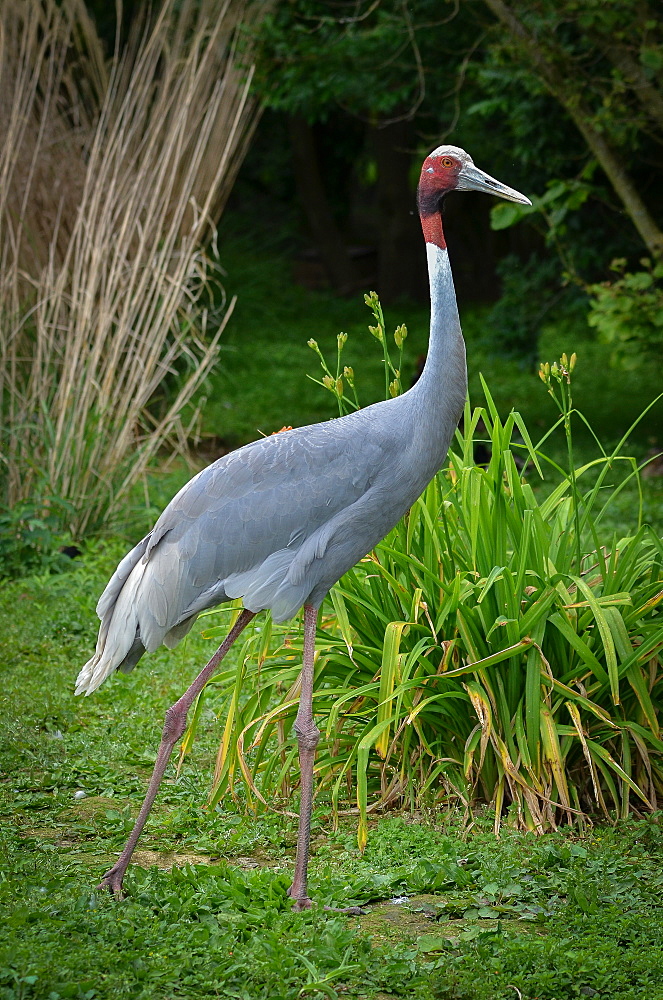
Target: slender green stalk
<point>559,374</point>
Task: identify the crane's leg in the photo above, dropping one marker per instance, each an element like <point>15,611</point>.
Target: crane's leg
<point>174,726</point>
<point>308,735</point>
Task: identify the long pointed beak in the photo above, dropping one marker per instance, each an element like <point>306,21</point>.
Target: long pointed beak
<point>473,179</point>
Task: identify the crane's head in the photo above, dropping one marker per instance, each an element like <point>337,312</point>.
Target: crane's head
<point>449,168</point>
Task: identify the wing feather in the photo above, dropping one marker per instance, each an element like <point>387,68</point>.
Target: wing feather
<point>252,525</point>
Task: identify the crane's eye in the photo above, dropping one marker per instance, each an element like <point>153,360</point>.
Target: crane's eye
<point>447,162</point>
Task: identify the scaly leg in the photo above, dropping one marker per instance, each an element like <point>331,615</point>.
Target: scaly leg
<point>308,735</point>
<point>174,726</point>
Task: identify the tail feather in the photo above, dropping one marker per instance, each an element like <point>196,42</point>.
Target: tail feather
<point>177,632</point>
<point>119,645</point>
<point>106,602</point>
<point>132,657</point>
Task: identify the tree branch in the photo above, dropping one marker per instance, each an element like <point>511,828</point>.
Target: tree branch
<point>559,77</point>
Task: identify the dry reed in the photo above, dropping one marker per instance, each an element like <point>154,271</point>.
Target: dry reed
<point>111,179</point>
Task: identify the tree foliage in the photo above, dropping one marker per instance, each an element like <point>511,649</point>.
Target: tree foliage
<point>599,62</point>
<point>561,97</point>
<point>628,312</point>
<point>368,59</point>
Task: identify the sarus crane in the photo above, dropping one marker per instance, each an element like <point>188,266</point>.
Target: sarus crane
<point>279,521</point>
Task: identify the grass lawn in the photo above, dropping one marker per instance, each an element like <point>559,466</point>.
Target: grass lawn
<point>450,913</point>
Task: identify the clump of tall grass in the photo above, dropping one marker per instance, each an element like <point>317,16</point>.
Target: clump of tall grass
<point>112,175</point>
<point>500,646</point>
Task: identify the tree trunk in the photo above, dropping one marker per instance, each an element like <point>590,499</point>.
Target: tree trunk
<point>401,266</point>
<point>324,231</point>
<point>559,77</point>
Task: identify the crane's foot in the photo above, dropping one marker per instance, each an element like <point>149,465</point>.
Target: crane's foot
<point>112,881</point>
<point>349,911</point>
<point>305,903</point>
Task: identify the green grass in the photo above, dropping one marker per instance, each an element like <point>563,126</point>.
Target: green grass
<point>552,917</point>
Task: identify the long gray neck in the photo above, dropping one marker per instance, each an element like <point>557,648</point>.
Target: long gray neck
<point>442,387</point>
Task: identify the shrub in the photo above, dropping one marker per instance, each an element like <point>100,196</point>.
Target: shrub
<point>628,312</point>
<point>29,537</point>
<point>499,646</point>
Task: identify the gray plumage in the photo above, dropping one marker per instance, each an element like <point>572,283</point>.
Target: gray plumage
<point>279,521</point>
<point>276,523</point>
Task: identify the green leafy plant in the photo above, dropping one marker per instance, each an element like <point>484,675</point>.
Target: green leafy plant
<point>345,375</point>
<point>628,312</point>
<point>30,537</point>
<point>560,200</point>
<point>499,646</point>
<point>496,647</point>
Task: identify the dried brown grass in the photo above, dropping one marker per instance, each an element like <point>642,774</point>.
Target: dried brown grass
<point>111,179</point>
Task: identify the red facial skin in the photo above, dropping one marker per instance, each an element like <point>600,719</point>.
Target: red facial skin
<point>439,174</point>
